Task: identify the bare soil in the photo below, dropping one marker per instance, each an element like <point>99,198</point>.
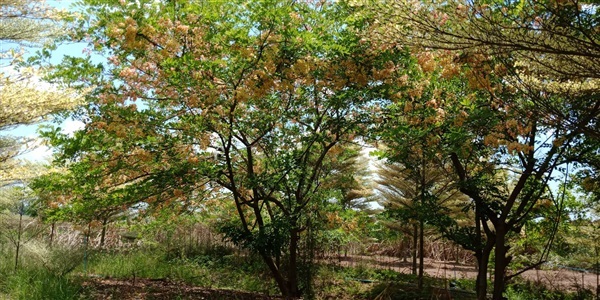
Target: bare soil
<point>153,289</point>
<point>562,279</point>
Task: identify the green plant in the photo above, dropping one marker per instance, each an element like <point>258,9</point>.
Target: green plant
<point>207,269</point>
<point>529,290</point>
<point>33,282</point>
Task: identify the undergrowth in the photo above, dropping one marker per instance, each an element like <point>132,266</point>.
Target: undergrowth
<point>57,275</point>
<point>527,290</point>
<point>42,274</point>
<point>211,268</point>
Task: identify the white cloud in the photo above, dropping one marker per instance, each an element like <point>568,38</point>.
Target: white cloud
<point>70,126</point>
<point>38,153</point>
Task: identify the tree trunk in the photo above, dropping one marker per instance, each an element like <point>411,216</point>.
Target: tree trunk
<point>421,255</point>
<point>103,233</point>
<point>421,222</point>
<point>597,271</point>
<point>483,258</point>
<point>500,263</point>
<point>289,288</point>
<point>482,255</point>
<point>86,242</point>
<point>275,271</point>
<point>19,237</point>
<point>52,228</point>
<point>414,249</point>
<point>597,275</point>
<point>403,250</point>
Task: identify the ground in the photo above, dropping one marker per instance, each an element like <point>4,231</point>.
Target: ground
<point>557,278</point>
<point>138,288</point>
<point>149,289</point>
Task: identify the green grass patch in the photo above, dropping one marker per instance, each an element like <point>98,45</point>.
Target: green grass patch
<point>38,284</point>
<point>42,273</point>
<point>525,290</point>
<point>363,282</point>
<point>210,269</point>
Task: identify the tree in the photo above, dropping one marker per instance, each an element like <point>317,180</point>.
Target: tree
<point>532,105</point>
<point>28,21</point>
<point>399,197</point>
<point>236,100</point>
<point>549,49</point>
<point>418,195</point>
<point>508,207</point>
<point>419,183</point>
<point>502,159</point>
<point>348,179</point>
<point>25,23</point>
<point>60,197</point>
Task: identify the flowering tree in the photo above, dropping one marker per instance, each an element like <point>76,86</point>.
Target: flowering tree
<point>246,101</point>
<point>501,158</point>
<point>521,101</point>
<point>549,49</point>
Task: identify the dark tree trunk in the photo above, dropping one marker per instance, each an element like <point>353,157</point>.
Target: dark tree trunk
<point>103,233</point>
<point>404,246</point>
<point>289,287</point>
<point>482,255</point>
<point>276,272</point>
<point>597,274</point>
<point>501,261</point>
<point>421,255</point>
<point>483,258</point>
<point>414,249</point>
<point>421,221</point>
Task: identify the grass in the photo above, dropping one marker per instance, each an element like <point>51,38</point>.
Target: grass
<point>528,290</point>
<point>210,269</point>
<point>32,284</point>
<point>36,278</point>
<point>363,282</point>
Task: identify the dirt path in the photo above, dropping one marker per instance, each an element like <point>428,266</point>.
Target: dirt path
<point>560,278</point>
